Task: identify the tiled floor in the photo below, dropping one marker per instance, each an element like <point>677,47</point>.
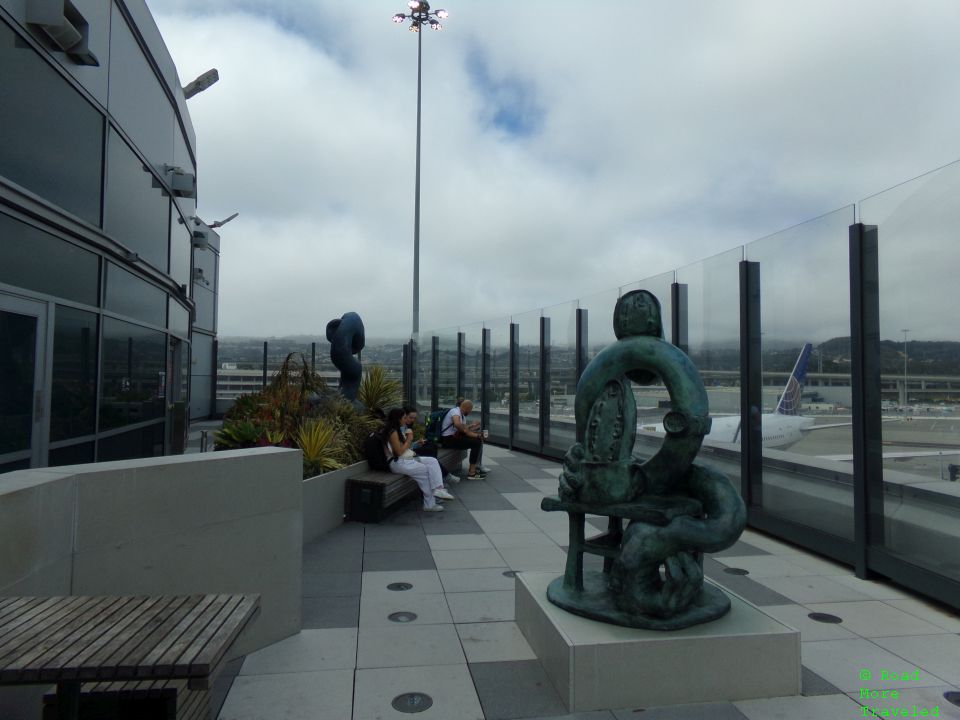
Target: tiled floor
<point>451,634</point>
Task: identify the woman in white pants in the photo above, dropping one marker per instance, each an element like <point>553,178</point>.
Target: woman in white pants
<point>403,461</point>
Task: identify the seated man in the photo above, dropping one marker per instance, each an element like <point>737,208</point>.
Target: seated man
<point>456,433</point>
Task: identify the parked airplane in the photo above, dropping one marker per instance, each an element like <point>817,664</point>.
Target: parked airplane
<point>781,428</point>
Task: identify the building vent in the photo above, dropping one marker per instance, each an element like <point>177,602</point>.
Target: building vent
<point>63,25</point>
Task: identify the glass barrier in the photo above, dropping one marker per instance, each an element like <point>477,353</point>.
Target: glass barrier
<point>473,365</point>
<point>499,393</point>
<point>599,309</point>
<point>805,300</point>
<point>920,367</point>
<point>424,389</point>
<point>660,286</point>
<point>560,432</point>
<point>447,368</point>
<point>528,380</point>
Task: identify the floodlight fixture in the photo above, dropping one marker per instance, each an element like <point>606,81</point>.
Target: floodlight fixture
<point>201,83</point>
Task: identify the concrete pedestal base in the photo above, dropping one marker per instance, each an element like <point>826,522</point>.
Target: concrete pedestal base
<point>595,666</point>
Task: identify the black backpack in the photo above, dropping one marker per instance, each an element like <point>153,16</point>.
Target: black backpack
<point>434,426</point>
<point>373,451</point>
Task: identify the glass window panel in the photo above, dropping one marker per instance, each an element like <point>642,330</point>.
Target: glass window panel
<point>180,249</point>
<point>206,310</point>
<point>560,432</point>
<point>129,295</point>
<point>805,298</point>
<point>713,297</point>
<point>18,352</point>
<point>73,398</point>
<point>447,367</point>
<point>52,137</point>
<point>528,378</point>
<point>499,395</point>
<point>179,318</point>
<point>473,365</point>
<point>920,367</point>
<point>134,365</point>
<point>206,260</point>
<point>139,443</point>
<point>137,209</point>
<point>201,361</point>
<point>39,261</point>
<point>71,455</point>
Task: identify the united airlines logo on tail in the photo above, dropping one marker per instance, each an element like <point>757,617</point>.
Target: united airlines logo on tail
<point>790,399</point>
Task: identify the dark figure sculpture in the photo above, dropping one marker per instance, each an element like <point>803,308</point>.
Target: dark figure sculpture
<point>652,575</point>
<point>346,340</point>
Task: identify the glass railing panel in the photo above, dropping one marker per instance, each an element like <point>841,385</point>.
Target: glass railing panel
<point>528,379</point>
<point>560,432</point>
<point>659,285</point>
<point>473,365</point>
<point>447,368</point>
<point>920,367</point>
<point>713,331</point>
<point>807,425</point>
<point>599,309</point>
<point>499,394</point>
<point>424,373</point>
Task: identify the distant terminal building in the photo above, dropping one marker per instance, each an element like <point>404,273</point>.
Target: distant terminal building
<point>108,280</point>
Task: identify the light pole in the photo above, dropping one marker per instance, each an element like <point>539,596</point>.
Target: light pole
<point>904,405</point>
<point>420,14</point>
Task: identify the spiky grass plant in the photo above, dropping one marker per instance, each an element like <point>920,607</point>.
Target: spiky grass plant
<point>378,392</point>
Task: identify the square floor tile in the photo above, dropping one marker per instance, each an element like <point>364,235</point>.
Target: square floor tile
<point>516,690</point>
<point>939,655</point>
<point>695,711</point>
<point>465,559</point>
<point>330,612</point>
<point>748,589</point>
<point>422,581</point>
<point>450,688</point>
<point>317,584</point>
<point>872,618</point>
<point>525,501</point>
<point>451,527</point>
<point>407,541</point>
<point>812,589</point>
<point>870,588</point>
<point>325,695</point>
<point>760,566</point>
<point>941,617</point>
<point>841,662</point>
<point>494,642</point>
<point>740,549</point>
<point>812,684</point>
<point>504,483</point>
<point>502,541</point>
<point>482,501</point>
<point>400,560</point>
<point>476,580</point>
<point>408,645</point>
<point>459,542</point>
<point>486,606</point>
<point>765,542</point>
<point>535,558</point>
<point>927,698</point>
<point>818,565</point>
<point>797,617</point>
<point>503,521</point>
<point>820,707</point>
<point>333,559</point>
<point>307,651</point>
<point>375,609</point>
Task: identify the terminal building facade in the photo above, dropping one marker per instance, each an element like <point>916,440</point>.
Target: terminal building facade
<point>108,280</point>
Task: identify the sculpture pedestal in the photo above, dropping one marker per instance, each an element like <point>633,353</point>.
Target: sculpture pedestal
<point>596,666</point>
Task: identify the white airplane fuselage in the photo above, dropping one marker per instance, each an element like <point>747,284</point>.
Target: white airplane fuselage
<point>779,431</point>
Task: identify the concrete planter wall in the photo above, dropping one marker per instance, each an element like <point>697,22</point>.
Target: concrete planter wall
<point>323,500</point>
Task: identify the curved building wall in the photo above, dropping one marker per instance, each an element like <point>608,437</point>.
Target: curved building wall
<point>99,243</point>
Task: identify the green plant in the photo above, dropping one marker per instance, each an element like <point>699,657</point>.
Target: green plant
<point>236,434</point>
<point>322,451</point>
<point>378,392</point>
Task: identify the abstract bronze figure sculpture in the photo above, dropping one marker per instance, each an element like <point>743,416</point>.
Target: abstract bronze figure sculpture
<point>652,573</point>
<point>346,339</point>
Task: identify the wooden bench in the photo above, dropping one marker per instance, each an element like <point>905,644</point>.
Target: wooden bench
<point>373,494</point>
<point>137,700</point>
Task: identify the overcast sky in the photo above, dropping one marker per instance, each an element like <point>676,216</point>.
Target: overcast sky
<point>568,148</point>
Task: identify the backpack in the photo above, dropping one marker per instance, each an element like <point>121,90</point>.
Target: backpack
<point>373,451</point>
<point>434,425</point>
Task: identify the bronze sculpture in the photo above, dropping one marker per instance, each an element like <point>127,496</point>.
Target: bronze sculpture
<point>652,575</point>
<point>346,337</point>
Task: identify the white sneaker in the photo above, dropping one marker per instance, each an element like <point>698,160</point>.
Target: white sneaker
<point>442,494</point>
<point>433,508</point>
<point>451,479</point>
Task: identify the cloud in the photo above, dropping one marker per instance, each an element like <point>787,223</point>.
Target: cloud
<point>565,151</point>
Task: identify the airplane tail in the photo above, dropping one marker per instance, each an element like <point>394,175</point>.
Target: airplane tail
<point>790,399</point>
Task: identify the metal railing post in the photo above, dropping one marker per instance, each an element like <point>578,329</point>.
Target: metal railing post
<point>751,395</point>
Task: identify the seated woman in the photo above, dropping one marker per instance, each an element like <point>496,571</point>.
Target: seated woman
<point>425,471</point>
<point>425,448</point>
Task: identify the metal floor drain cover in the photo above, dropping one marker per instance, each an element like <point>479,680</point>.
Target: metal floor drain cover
<point>412,702</point>
<point>952,697</point>
<point>399,586</point>
<point>736,571</point>
<point>509,573</point>
<point>402,617</point>
<point>825,618</point>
